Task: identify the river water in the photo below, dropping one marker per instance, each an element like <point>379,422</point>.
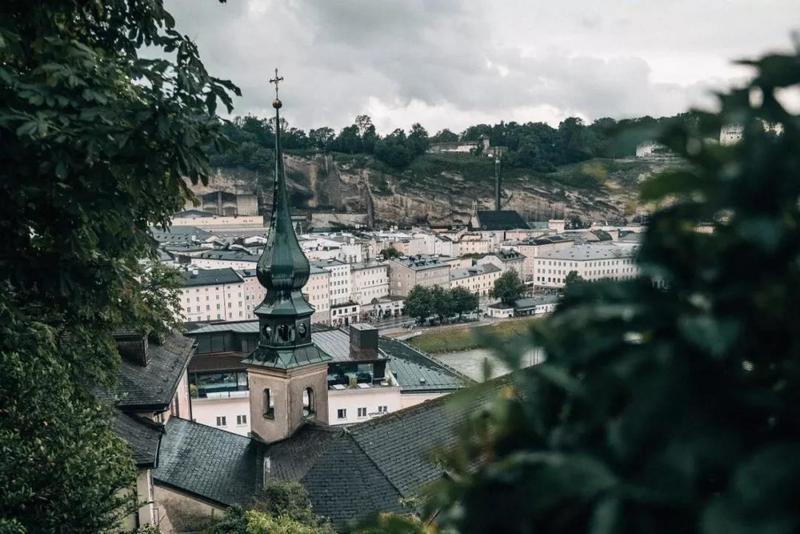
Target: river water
<point>473,362</point>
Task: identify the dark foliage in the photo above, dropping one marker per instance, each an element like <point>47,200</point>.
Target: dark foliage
<point>95,144</point>
<point>667,403</point>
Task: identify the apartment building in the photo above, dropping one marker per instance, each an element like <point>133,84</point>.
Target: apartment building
<point>370,281</point>
<point>532,248</point>
<point>318,293</point>
<point>340,282</point>
<point>409,271</point>
<point>478,279</point>
<point>591,262</point>
<point>505,260</point>
<point>212,295</point>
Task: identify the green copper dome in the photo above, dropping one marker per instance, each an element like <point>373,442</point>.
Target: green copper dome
<point>284,316</point>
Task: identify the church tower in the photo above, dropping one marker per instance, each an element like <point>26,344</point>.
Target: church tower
<point>287,373</point>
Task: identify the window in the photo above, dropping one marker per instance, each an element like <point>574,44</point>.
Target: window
<point>362,412</point>
<point>341,414</point>
<point>383,409</point>
<point>221,421</point>
<point>269,404</point>
<point>308,402</point>
<point>241,420</point>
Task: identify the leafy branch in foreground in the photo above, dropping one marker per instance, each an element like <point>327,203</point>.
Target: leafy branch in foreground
<point>667,403</point>
<point>95,144</point>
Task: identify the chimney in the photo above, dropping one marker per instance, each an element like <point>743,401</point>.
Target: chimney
<point>363,342</point>
<point>133,346</point>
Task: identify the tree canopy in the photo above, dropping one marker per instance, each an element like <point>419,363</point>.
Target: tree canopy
<point>95,143</point>
<point>668,403</point>
<point>508,288</point>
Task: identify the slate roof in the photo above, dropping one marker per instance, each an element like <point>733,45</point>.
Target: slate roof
<point>214,464</point>
<point>228,255</point>
<point>349,472</point>
<point>415,372</point>
<point>142,436</point>
<point>152,387</point>
<point>179,234</point>
<point>500,220</point>
<point>209,277</point>
<point>589,253</point>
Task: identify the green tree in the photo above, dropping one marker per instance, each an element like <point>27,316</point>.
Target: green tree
<point>464,301</point>
<point>281,508</point>
<point>444,136</point>
<point>95,144</point>
<point>571,279</point>
<point>418,141</point>
<point>508,288</point>
<point>667,403</point>
<point>419,303</point>
<point>390,252</point>
<point>442,302</point>
<point>394,149</point>
<point>322,138</point>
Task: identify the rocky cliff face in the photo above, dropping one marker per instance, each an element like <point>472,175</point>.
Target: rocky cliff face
<point>326,182</point>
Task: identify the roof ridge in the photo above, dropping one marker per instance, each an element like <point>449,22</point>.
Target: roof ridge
<point>371,459</point>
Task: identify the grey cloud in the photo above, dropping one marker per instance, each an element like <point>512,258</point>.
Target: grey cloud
<point>468,57</point>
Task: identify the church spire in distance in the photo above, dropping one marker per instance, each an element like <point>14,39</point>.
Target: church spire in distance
<point>283,269</point>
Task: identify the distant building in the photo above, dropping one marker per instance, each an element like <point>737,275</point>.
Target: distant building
<point>537,305</point>
<point>505,260</point>
<point>213,295</point>
<point>345,313</point>
<point>591,262</point>
<point>409,271</point>
<point>482,146</point>
<point>493,220</point>
<point>218,259</point>
<point>370,281</point>
<point>340,281</point>
<point>224,203</point>
<point>531,248</point>
<point>478,279</point>
<point>318,292</point>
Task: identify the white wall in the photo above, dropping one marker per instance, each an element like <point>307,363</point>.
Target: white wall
<point>412,399</point>
<point>351,399</point>
<point>206,411</point>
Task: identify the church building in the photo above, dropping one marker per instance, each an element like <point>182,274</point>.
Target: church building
<point>349,471</point>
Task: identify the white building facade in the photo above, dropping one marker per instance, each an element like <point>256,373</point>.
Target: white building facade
<point>590,262</point>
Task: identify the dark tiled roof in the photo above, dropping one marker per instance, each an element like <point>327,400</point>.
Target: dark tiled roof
<point>214,464</point>
<point>416,372</point>
<point>142,436</point>
<point>207,277</point>
<point>179,234</point>
<point>345,485</point>
<point>152,387</point>
<point>291,459</point>
<point>500,220</point>
<point>228,255</point>
<point>229,361</point>
<point>349,472</point>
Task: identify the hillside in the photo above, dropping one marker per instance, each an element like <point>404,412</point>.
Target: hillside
<point>441,188</point>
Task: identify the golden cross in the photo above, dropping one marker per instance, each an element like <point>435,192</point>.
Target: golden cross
<point>276,80</point>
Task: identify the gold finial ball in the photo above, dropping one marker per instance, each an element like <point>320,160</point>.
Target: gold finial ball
<point>277,103</point>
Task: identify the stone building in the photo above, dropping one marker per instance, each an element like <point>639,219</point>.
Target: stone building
<point>409,271</point>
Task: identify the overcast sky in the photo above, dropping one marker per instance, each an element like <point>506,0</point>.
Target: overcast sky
<point>453,63</point>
